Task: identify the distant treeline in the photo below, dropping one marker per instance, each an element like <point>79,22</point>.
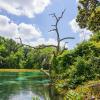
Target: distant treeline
<point>15,55</point>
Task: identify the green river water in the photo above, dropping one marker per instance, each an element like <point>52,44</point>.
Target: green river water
<point>25,86</point>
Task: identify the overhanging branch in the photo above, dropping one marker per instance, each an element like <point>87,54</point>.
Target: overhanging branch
<point>38,47</point>
<point>67,38</point>
<point>41,46</point>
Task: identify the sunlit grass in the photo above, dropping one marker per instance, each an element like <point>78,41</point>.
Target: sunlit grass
<point>19,70</point>
<point>87,91</point>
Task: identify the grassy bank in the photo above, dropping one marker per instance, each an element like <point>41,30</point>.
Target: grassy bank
<point>19,70</point>
<point>87,91</point>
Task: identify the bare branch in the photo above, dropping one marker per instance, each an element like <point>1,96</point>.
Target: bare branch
<point>20,40</point>
<point>67,38</point>
<point>64,48</point>
<point>56,29</point>
<point>54,15</point>
<point>61,15</point>
<point>52,30</point>
<point>29,46</point>
<point>41,46</point>
<point>65,45</point>
<point>45,46</point>
<point>53,25</point>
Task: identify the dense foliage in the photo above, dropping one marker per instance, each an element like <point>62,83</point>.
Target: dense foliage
<point>89,14</point>
<point>80,64</point>
<point>70,68</point>
<point>15,55</point>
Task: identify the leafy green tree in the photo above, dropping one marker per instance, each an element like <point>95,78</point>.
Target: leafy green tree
<point>95,37</point>
<point>16,55</point>
<point>89,14</point>
<point>64,61</point>
<point>87,49</point>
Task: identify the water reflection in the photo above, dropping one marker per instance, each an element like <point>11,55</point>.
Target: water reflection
<point>24,86</point>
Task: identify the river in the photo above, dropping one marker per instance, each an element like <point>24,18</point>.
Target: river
<point>25,86</point>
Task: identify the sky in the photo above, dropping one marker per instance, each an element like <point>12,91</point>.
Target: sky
<point>30,20</point>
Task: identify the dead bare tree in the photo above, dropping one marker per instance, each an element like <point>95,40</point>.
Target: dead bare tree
<point>56,30</point>
<point>59,39</point>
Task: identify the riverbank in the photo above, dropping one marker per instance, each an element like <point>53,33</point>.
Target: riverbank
<point>88,91</point>
<point>20,70</point>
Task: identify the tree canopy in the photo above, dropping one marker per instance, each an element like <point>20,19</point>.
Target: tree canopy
<point>89,15</point>
<point>16,55</point>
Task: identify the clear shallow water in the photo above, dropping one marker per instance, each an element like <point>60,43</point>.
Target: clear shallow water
<point>25,86</point>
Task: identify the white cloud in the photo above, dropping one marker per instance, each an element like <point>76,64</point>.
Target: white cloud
<point>10,29</point>
<point>77,0</point>
<point>83,33</point>
<point>41,41</point>
<point>26,32</point>
<point>24,7</point>
<point>74,26</point>
<point>7,28</point>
